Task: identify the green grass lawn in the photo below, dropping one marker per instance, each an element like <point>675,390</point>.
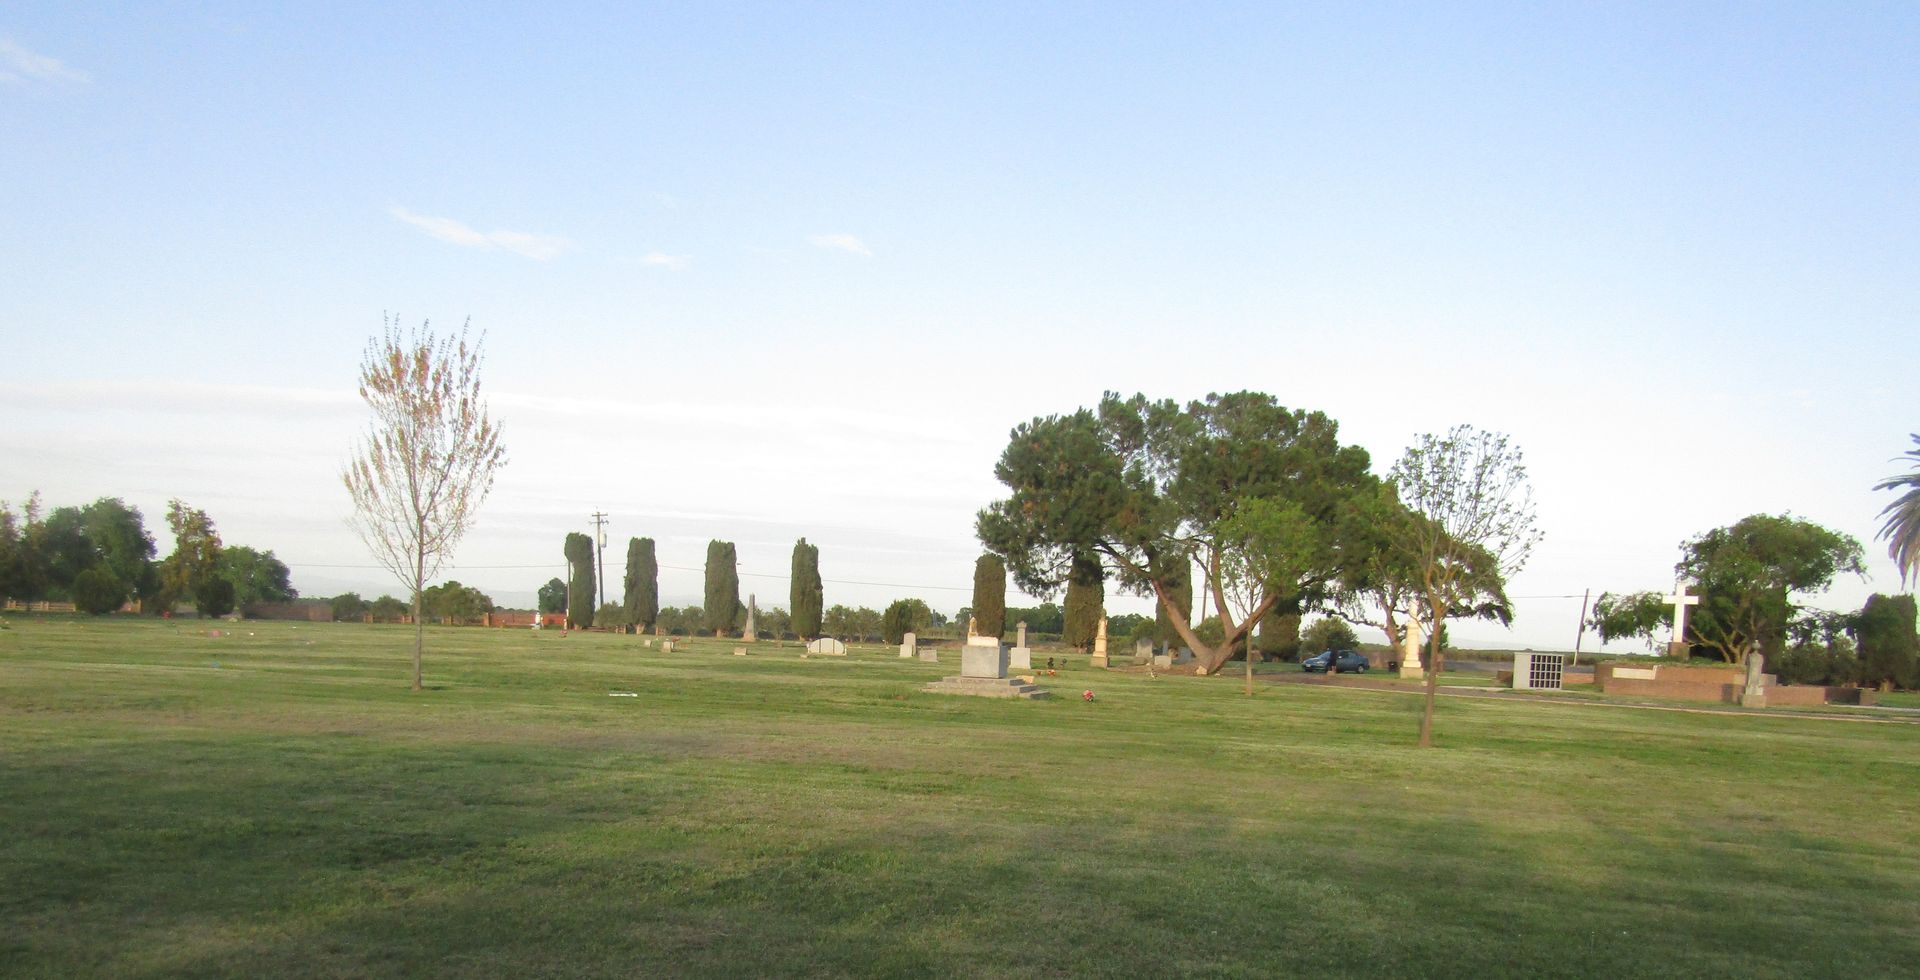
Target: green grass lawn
<point>276,803</point>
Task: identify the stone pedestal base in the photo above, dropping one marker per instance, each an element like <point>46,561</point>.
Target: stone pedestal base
<point>983,657</point>
<point>1679,650</point>
<point>930,655</point>
<point>1097,660</point>
<point>1753,699</point>
<point>987,687</point>
<point>1413,672</point>
<point>1020,658</point>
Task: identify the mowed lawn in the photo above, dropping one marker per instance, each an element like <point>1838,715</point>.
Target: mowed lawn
<point>276,802</point>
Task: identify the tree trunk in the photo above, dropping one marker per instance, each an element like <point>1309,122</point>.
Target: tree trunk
<point>419,621</point>
<point>1433,681</point>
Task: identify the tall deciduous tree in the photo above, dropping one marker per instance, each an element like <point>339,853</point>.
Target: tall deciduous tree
<point>257,576</point>
<point>1901,531</point>
<point>1472,526</point>
<point>578,549</point>
<point>989,596</point>
<point>642,584</point>
<point>195,561</point>
<point>429,457</point>
<point>1251,492</point>
<point>722,607</point>
<point>553,596</point>
<point>1086,599</point>
<point>1749,574</point>
<point>806,593</point>
<point>119,536</point>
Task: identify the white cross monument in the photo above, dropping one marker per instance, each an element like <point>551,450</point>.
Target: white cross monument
<point>1679,600</point>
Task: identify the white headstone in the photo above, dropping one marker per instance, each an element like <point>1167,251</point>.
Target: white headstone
<point>829,646</point>
<point>1020,658</point>
<point>1142,651</point>
<point>908,646</point>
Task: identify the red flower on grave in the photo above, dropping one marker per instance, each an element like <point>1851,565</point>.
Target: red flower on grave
<point>1086,695</point>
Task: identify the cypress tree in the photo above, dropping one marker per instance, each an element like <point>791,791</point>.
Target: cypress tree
<point>722,608</point>
<point>1180,590</point>
<point>807,596</point>
<point>643,585</point>
<point>1884,631</point>
<point>989,596</point>
<point>1086,597</point>
<point>579,552</point>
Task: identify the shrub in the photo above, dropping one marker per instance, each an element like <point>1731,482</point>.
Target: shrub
<point>97,591</point>
<point>1328,633</point>
<point>213,596</point>
<point>612,616</point>
<point>347,607</point>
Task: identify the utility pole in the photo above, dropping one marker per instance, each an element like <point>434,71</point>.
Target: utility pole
<point>600,556</point>
<point>1582,634</point>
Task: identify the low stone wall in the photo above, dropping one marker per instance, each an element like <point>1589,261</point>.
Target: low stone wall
<point>1663,688</point>
<point>523,619</point>
<point>300,612</point>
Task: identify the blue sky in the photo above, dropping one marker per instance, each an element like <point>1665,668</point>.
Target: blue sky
<point>753,272</point>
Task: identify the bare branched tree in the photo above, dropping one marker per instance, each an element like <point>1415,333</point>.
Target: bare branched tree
<point>429,456</point>
<point>1472,528</point>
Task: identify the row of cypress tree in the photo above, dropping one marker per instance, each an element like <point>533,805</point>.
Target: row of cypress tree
<point>722,607</point>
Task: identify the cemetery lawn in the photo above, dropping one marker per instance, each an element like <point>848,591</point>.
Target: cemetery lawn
<point>276,802</point>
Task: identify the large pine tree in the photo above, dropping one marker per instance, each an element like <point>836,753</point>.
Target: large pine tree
<point>722,609</point>
<point>1086,597</point>
<point>807,595</point>
<point>579,552</point>
<point>990,596</point>
<point>642,585</point>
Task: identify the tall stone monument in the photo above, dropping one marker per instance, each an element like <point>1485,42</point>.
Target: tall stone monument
<point>1100,645</point>
<point>1754,695</point>
<point>1680,600</point>
<point>1410,644</point>
<point>751,631</point>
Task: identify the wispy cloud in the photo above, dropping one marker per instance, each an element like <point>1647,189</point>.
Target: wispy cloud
<point>17,64</point>
<point>531,245</point>
<point>844,242</point>
<point>674,263</point>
